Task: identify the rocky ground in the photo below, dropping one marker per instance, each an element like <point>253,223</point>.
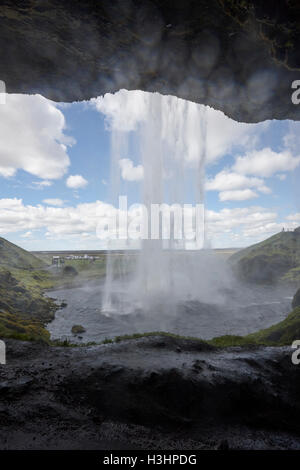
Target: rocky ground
<point>152,393</point>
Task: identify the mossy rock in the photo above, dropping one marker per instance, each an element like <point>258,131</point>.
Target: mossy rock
<point>77,329</point>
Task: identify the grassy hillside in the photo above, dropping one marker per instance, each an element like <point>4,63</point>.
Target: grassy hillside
<point>23,308</point>
<point>275,259</point>
<point>280,334</point>
<point>12,256</point>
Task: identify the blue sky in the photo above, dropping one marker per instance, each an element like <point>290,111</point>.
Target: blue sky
<point>55,168</point>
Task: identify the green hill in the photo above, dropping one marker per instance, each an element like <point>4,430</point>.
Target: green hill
<point>276,259</point>
<point>23,308</point>
<point>12,256</point>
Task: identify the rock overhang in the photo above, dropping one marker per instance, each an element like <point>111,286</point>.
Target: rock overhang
<point>238,57</point>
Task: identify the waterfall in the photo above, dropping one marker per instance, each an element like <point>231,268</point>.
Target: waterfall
<point>169,136</point>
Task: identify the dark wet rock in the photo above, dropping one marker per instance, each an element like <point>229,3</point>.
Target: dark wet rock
<point>223,445</point>
<point>240,57</point>
<point>133,394</point>
<point>296,299</point>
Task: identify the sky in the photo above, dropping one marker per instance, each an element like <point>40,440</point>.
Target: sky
<point>56,179</point>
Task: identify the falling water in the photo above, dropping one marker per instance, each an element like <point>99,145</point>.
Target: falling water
<point>170,135</point>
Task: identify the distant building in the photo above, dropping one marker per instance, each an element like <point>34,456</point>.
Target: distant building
<point>57,261</point>
<point>297,230</point>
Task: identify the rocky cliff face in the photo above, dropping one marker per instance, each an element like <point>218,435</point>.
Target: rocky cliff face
<point>276,259</point>
<point>240,57</point>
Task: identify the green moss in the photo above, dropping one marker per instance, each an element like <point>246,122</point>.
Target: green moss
<point>21,292</point>
<point>18,327</point>
<point>117,339</point>
<point>77,329</point>
<point>231,340</point>
<point>281,334</point>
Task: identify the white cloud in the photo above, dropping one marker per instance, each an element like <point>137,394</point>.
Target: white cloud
<point>294,217</point>
<point>41,184</point>
<point>76,182</point>
<point>129,172</point>
<point>224,134</point>
<point>32,137</point>
<point>227,180</point>
<point>198,129</point>
<point>265,162</point>
<point>27,235</point>
<point>231,218</point>
<point>241,226</point>
<point>54,202</point>
<point>225,227</point>
<point>236,187</point>
<point>267,230</point>
<point>237,195</point>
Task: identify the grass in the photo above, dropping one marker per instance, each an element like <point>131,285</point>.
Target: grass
<point>23,308</point>
<point>88,270</point>
<point>16,326</point>
<point>275,259</point>
<point>292,276</point>
<point>281,334</point>
<point>34,280</point>
<point>12,256</point>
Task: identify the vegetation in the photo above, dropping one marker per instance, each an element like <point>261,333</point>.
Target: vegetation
<point>23,308</point>
<point>78,271</point>
<point>23,328</point>
<point>283,333</point>
<point>276,259</point>
<point>12,256</point>
<point>77,329</point>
